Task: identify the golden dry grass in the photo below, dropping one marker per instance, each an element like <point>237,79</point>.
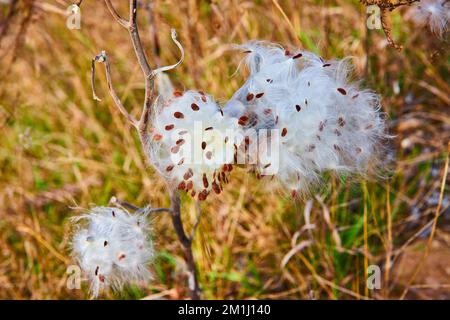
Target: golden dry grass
<point>59,149</point>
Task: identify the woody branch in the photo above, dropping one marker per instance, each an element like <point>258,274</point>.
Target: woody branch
<point>142,126</point>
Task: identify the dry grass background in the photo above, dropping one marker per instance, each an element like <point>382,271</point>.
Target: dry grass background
<point>59,149</point>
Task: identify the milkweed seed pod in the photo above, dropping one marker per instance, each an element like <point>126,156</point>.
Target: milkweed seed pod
<point>193,143</point>
<point>112,247</point>
<point>318,120</point>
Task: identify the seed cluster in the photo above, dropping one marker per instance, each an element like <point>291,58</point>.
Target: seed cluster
<point>112,247</point>
<point>194,143</point>
<point>323,122</point>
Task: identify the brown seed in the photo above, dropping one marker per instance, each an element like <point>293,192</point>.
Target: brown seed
<point>203,145</point>
<point>101,278</point>
<point>287,52</point>
<point>189,185</point>
<point>122,256</point>
<point>243,120</point>
<point>336,147</point>
<point>204,98</point>
<point>205,181</point>
<point>180,142</point>
<point>216,187</point>
<point>311,147</point>
<point>342,91</point>
<point>182,185</point>
<point>96,270</point>
<point>105,243</point>
<point>297,106</point>
<point>283,132</point>
<point>306,101</point>
<point>250,97</point>
<point>157,137</point>
<point>267,111</point>
<point>337,132</point>
<point>181,162</point>
<point>169,168</point>
<point>175,149</point>
<point>294,194</point>
<point>358,150</point>
<point>177,93</point>
<point>267,165</point>
<point>276,120</point>
<point>269,80</point>
<point>203,195</point>
<point>355,96</point>
<point>193,193</point>
<point>321,125</point>
<point>326,65</point>
<point>318,137</point>
<point>259,95</point>
<point>297,56</point>
<point>169,127</point>
<point>341,122</point>
<point>226,139</point>
<point>188,174</point>
<point>209,128</point>
<point>178,115</point>
<point>195,107</point>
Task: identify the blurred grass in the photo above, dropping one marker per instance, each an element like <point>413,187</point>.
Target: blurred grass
<point>60,149</point>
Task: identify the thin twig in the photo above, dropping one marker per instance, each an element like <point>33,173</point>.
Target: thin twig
<point>103,57</point>
<point>116,16</point>
<point>387,5</point>
<point>387,31</point>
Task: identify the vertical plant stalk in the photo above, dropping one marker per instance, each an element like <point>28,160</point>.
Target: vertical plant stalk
<point>142,126</point>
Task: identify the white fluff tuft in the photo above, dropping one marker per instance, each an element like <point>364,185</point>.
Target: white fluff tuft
<point>323,122</point>
<point>113,247</point>
<point>193,143</point>
<point>434,13</point>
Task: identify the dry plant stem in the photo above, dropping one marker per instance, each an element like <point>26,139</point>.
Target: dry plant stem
<point>142,126</point>
<point>387,31</point>
<point>186,242</point>
<point>388,5</point>
<point>103,57</point>
<point>437,213</point>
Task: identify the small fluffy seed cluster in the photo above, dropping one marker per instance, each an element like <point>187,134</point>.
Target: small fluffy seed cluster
<point>322,121</point>
<point>434,13</point>
<point>193,143</point>
<point>113,247</point>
